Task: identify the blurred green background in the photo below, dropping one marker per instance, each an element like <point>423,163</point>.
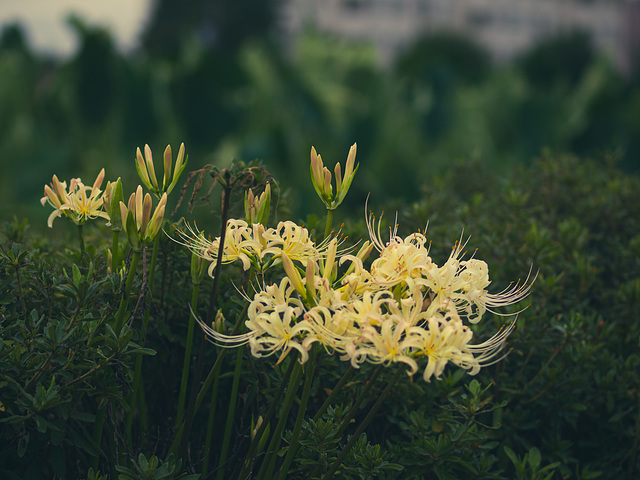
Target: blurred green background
<point>245,93</point>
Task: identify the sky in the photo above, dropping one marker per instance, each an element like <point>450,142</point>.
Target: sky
<point>45,24</point>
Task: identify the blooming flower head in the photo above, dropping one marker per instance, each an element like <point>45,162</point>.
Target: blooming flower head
<point>292,240</point>
<point>239,244</point>
<point>80,203</point>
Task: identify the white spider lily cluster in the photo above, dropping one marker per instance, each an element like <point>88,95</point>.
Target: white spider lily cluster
<point>253,245</point>
<point>402,308</point>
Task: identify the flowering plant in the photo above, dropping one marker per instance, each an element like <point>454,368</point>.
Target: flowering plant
<point>305,298</point>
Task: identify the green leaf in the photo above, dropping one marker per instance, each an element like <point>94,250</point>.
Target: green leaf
<point>534,457</point>
<point>23,442</point>
<point>512,455</point>
<point>77,276</point>
<point>143,463</point>
<point>15,252</point>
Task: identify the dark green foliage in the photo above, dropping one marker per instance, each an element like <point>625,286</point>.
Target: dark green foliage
<point>154,469</point>
<point>60,361</point>
<point>562,405</point>
<point>322,444</point>
<point>558,60</point>
<point>571,378</point>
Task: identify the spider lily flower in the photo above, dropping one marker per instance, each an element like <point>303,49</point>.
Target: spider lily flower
<point>292,240</point>
<point>255,246</point>
<point>56,195</point>
<point>137,220</point>
<point>80,203</point>
<point>147,173</point>
<point>239,244</point>
<point>321,178</point>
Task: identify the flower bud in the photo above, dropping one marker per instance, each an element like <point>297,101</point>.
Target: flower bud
<point>112,197</point>
<point>321,178</point>
<point>293,274</point>
<point>257,209</point>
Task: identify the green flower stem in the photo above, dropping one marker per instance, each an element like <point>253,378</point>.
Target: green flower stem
<point>178,440</point>
<point>98,424</point>
<point>233,398</point>
<point>294,444</point>
<point>210,422</point>
<point>138,396</point>
<point>334,393</point>
<point>187,357</point>
<point>253,448</point>
<point>81,238</point>
<point>327,227</point>
<point>127,290</point>
<point>365,422</point>
<point>192,408</point>
<point>365,394</point>
<point>347,374</point>
<point>154,256</point>
<point>274,445</point>
<point>115,250</point>
<point>137,375</point>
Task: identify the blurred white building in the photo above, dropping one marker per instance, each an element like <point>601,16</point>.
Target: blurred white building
<point>504,27</point>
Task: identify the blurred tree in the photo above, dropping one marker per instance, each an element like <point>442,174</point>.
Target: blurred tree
<point>444,55</point>
<point>433,68</point>
<point>216,24</point>
<point>94,70</point>
<point>12,38</point>
<point>559,60</point>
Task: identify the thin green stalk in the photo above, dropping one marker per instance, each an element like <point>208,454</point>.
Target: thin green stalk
<point>253,448</point>
<point>327,227</point>
<point>137,399</point>
<point>127,290</point>
<point>365,422</point>
<point>215,369</point>
<point>191,408</point>
<point>295,435</point>
<point>210,422</point>
<point>154,256</point>
<point>274,445</point>
<point>81,238</point>
<point>233,398</point>
<point>115,251</point>
<point>138,385</point>
<point>363,395</point>
<point>187,357</point>
<point>98,425</point>
<point>347,374</point>
<point>137,375</point>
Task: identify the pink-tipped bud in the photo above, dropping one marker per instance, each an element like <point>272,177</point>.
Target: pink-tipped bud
<point>150,168</point>
<point>167,167</point>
